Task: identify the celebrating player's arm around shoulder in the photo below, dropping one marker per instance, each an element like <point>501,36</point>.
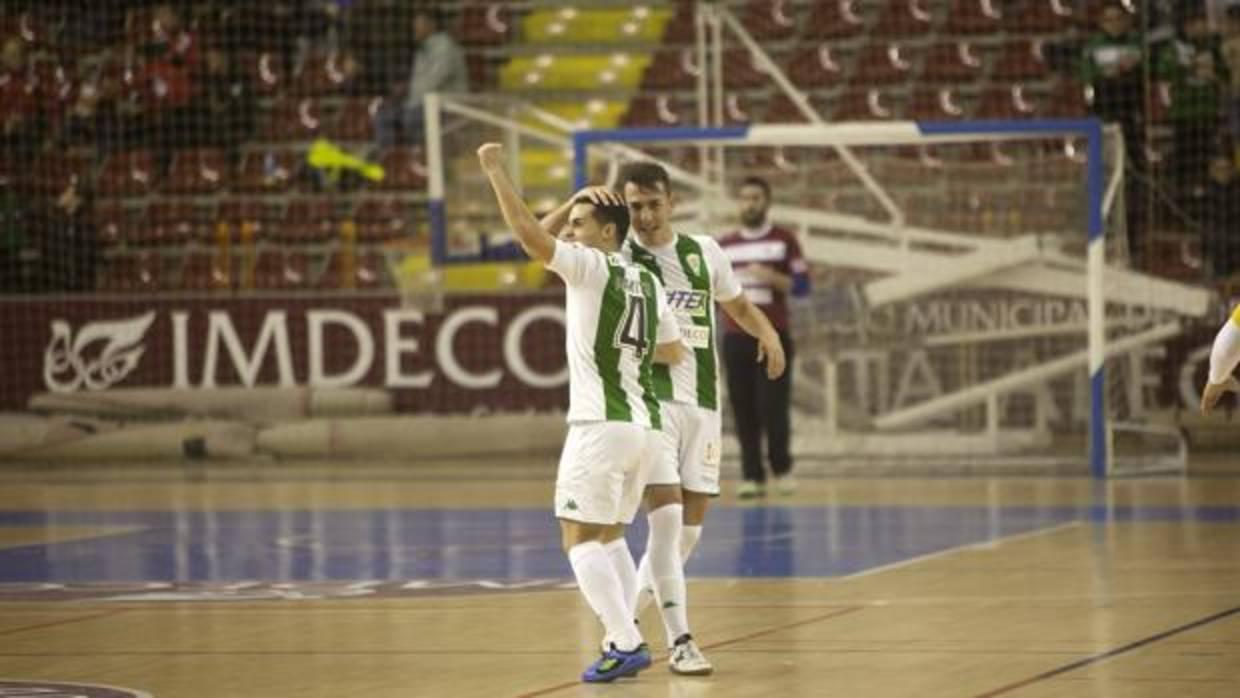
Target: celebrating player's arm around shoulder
<point>1224,356</point>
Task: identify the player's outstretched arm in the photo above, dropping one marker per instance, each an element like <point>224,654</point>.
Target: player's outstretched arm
<point>536,241</point>
<point>755,323</point>
<point>601,196</point>
<point>1224,356</point>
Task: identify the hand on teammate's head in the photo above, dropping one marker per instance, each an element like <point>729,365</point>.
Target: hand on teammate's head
<point>601,196</point>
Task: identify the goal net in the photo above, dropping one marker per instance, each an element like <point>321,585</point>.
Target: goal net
<point>971,301</point>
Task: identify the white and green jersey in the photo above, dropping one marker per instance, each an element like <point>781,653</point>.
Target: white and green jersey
<point>695,273</point>
<point>615,314</point>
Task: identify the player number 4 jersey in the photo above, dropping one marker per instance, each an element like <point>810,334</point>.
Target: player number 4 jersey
<point>695,274</point>
<point>616,313</point>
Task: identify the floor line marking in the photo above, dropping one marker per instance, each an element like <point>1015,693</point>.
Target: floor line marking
<point>65,621</point>
<point>723,643</point>
<point>990,544</point>
<point>1101,656</point>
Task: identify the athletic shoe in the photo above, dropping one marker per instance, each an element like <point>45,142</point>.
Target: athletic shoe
<point>750,490</point>
<point>616,664</point>
<point>688,660</point>
<point>785,485</point>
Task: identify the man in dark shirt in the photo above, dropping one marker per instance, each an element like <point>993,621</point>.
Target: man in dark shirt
<point>769,263</point>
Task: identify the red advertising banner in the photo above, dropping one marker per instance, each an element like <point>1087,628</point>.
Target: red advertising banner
<point>482,353</point>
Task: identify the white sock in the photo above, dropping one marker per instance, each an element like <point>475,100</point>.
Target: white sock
<point>689,537</point>
<point>666,570</point>
<point>626,571</point>
<point>598,583</point>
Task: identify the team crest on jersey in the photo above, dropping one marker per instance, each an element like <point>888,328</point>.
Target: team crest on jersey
<point>695,263</point>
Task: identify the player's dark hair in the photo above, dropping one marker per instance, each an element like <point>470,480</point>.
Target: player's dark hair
<point>432,12</point>
<point>755,181</point>
<point>610,213</point>
<point>646,175</point>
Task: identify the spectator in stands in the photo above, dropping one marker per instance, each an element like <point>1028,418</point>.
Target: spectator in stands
<point>19,124</point>
<point>91,120</point>
<point>1222,213</point>
<point>1231,58</point>
<point>169,65</point>
<point>438,66</point>
<point>1193,64</point>
<point>67,243</point>
<point>13,238</point>
<point>225,111</point>
<point>1111,65</point>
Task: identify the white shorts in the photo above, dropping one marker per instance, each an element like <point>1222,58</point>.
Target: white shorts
<point>691,452</point>
<point>603,470</point>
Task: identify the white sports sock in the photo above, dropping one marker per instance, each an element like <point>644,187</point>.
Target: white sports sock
<point>626,571</point>
<point>598,583</point>
<point>689,537</point>
<point>667,571</point>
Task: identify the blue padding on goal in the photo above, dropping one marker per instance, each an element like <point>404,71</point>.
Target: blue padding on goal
<point>992,126</point>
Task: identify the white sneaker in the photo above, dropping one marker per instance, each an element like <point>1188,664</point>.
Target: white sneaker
<point>750,490</point>
<point>785,485</point>
<point>688,660</point>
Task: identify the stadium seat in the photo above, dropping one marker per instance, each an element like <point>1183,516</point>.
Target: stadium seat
<point>957,62</point>
<point>325,74</point>
<point>131,272</point>
<point>380,220</point>
<point>740,108</point>
<point>129,173</point>
<point>197,171</point>
<point>1020,60</point>
<point>237,212</point>
<point>308,220</point>
<point>782,110</point>
<point>266,170</point>
<point>1006,102</point>
<point>671,69</point>
<point>834,19</point>
<point>365,267</point>
<point>484,24</point>
<point>172,223</point>
<point>207,270</point>
<point>741,71</point>
<point>293,120</point>
<point>816,67</point>
<point>266,72</point>
<point>355,122</point>
<point>53,173</point>
<point>862,105</point>
<point>680,29</point>
<point>658,110</point>
<point>1067,100</point>
<point>281,268</point>
<point>404,170</point>
<point>770,20</point>
<point>112,221</point>
<point>973,17</point>
<point>903,18</point>
<point>931,104</point>
<point>883,64</point>
<point>1045,16</point>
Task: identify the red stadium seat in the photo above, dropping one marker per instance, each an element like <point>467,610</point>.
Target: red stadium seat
<point>782,110</point>
<point>245,212</point>
<point>1021,60</point>
<point>266,170</point>
<point>658,110</point>
<point>883,64</point>
<point>129,272</point>
<point>309,220</point>
<point>112,221</point>
<point>742,109</point>
<point>366,267</point>
<point>404,170</point>
<point>974,17</point>
<point>671,69</point>
<point>834,19</point>
<point>380,220</point>
<point>326,74</point>
<point>863,105</point>
<point>266,71</point>
<point>293,120</point>
<point>355,121</point>
<point>903,18</point>
<point>484,24</point>
<point>770,20</point>
<point>281,268</point>
<point>816,67</point>
<point>680,29</point>
<point>1006,102</point>
<point>1067,100</point>
<point>128,173</point>
<point>1041,16</point>
<point>929,104</point>
<point>741,71</point>
<point>205,270</point>
<point>200,171</point>
<point>172,223</point>
<point>952,63</point>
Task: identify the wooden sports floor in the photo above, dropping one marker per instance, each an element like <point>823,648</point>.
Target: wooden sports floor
<point>446,579</point>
